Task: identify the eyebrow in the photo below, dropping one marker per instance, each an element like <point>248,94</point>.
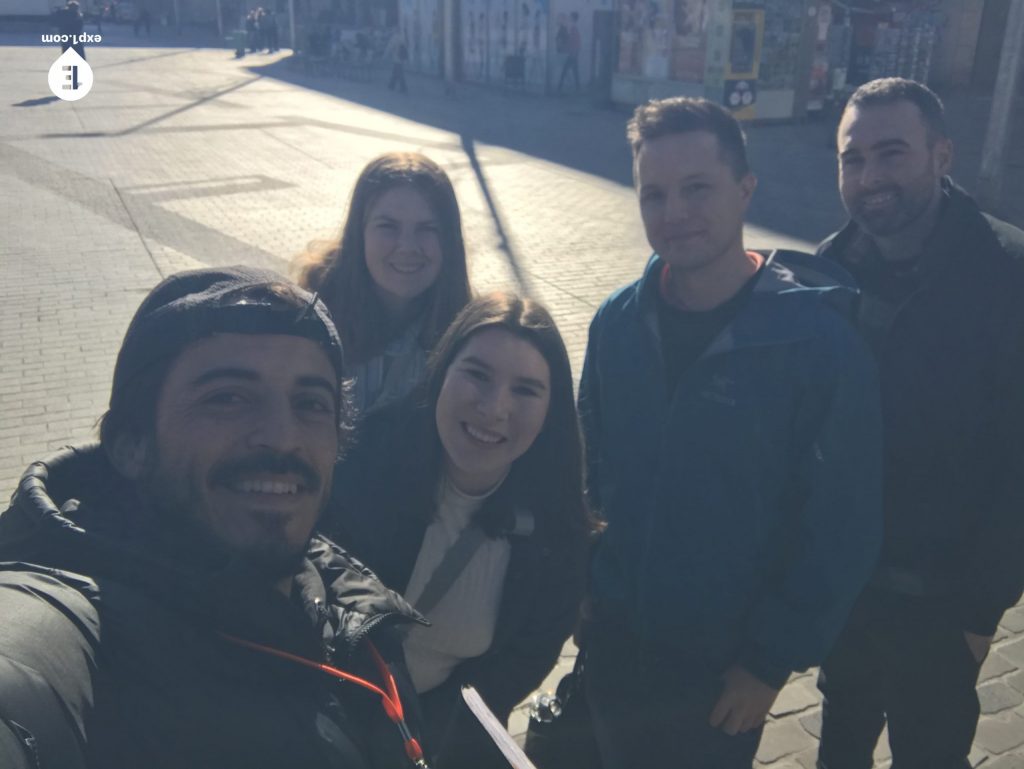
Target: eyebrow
<point>532,382</point>
<point>521,379</point>
<point>696,176</point>
<point>387,218</point>
<point>884,144</point>
<point>225,372</point>
<point>318,382</point>
<point>248,375</point>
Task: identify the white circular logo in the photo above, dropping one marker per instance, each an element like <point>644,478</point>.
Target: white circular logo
<point>70,76</point>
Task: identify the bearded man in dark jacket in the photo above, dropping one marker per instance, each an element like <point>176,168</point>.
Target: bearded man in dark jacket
<point>942,286</point>
<point>164,603</point>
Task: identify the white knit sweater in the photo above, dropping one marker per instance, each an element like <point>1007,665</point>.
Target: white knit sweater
<point>463,621</point>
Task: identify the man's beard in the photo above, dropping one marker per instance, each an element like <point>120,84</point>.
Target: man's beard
<point>171,509</point>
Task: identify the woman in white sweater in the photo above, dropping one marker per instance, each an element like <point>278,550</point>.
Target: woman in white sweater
<point>468,498</point>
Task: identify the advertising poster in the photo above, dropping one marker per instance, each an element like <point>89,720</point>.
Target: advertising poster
<point>690,20</point>
<point>689,45</point>
<point>655,42</point>
<point>421,29</point>
<point>474,40</point>
<point>645,37</point>
<point>784,24</point>
<point>719,18</point>
<point>495,31</point>
<point>631,21</point>
<point>745,41</point>
<point>746,38</point>
<point>818,88</point>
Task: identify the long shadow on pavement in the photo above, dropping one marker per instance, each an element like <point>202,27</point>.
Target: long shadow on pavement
<point>797,193</point>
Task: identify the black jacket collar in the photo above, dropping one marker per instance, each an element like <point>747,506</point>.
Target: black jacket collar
<point>73,513</point>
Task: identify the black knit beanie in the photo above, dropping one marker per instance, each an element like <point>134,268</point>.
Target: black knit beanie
<point>242,300</point>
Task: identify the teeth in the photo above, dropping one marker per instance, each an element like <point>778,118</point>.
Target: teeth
<point>265,487</point>
<point>878,200</point>
<point>484,437</point>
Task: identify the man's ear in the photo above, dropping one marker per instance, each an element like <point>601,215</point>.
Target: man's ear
<point>129,454</point>
<point>747,186</point>
<point>943,152</point>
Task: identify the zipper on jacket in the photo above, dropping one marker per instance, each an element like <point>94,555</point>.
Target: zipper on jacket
<point>326,648</point>
<point>368,627</point>
<point>28,742</point>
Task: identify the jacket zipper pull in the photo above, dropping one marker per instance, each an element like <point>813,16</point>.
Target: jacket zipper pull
<point>326,647</point>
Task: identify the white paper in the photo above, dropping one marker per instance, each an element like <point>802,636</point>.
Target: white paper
<point>499,734</point>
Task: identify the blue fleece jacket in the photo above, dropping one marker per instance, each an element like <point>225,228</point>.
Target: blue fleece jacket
<point>744,508</point>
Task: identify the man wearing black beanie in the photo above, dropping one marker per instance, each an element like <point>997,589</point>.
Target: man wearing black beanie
<point>164,601</point>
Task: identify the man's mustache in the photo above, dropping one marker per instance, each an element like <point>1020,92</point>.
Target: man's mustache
<point>267,462</point>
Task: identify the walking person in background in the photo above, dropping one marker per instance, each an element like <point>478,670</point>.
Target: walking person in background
<point>395,278</point>
<point>571,42</point>
<point>261,29</point>
<point>270,31</point>
<point>251,30</point>
<point>942,284</point>
<point>468,498</point>
<point>398,53</point>
<point>69,22</point>
<point>733,446</point>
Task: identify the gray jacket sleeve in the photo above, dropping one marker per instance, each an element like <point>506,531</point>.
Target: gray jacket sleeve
<point>48,642</point>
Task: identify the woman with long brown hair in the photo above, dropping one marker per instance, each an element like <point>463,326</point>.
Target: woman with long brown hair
<point>477,476</point>
<point>395,278</point>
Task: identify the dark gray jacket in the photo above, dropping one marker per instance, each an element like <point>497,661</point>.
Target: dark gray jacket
<point>951,366</point>
<point>111,653</point>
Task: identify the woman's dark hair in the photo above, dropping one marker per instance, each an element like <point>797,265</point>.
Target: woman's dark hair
<point>337,269</point>
<point>547,480</point>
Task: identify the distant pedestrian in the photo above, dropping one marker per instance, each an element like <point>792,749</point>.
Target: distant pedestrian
<point>251,31</point>
<point>270,34</point>
<point>261,30</point>
<point>572,45</point>
<point>398,53</point>
<point>70,23</point>
<point>941,305</point>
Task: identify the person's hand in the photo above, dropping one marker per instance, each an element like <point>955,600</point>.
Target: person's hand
<point>744,702</point>
<point>979,645</point>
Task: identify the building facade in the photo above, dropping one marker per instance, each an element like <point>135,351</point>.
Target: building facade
<point>767,59</point>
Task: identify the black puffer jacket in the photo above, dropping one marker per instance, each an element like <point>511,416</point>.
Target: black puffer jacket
<point>111,653</point>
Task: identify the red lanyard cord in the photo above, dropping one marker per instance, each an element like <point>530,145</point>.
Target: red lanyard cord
<point>389,699</point>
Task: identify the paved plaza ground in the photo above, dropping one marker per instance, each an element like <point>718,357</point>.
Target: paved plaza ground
<point>183,157</point>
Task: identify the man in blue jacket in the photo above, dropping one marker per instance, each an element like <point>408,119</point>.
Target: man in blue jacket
<point>733,433</point>
<point>942,309</point>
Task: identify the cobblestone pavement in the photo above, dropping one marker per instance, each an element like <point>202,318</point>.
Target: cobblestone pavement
<point>182,157</point>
